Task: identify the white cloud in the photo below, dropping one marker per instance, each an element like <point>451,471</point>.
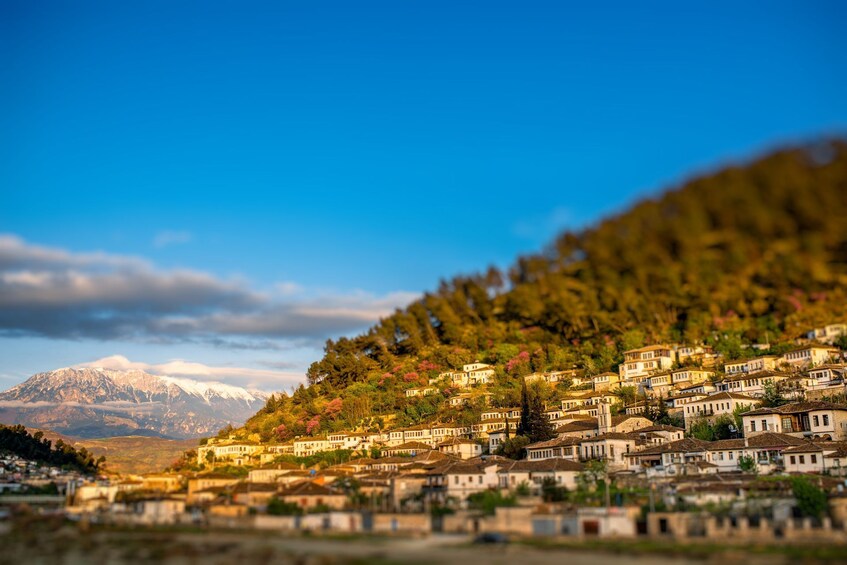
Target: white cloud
<point>55,293</point>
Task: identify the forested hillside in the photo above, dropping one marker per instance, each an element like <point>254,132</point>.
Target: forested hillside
<point>751,254</point>
<point>35,447</point>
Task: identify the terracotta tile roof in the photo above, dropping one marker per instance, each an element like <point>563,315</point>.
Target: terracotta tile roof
<point>307,488</point>
<point>759,441</point>
<point>796,408</point>
<point>684,445</point>
<point>555,442</point>
<point>577,426</point>
<point>545,465</point>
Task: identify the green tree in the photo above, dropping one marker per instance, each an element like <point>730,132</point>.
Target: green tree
<point>772,395</point>
<point>551,491</point>
<point>747,464</point>
<point>702,429</point>
<point>278,507</point>
<point>513,448</point>
<point>534,423</point>
<point>488,500</point>
<point>811,500</point>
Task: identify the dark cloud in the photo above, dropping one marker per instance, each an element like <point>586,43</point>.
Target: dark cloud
<point>54,293</point>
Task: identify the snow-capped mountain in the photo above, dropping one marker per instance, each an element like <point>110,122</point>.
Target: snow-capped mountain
<point>98,402</point>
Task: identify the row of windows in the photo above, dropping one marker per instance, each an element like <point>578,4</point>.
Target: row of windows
<point>816,421</point>
<point>813,459</point>
<point>469,481</point>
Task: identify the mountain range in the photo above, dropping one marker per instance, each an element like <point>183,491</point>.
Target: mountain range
<point>98,402</point>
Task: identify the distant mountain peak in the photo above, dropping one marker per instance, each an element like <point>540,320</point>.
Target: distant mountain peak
<point>104,402</point>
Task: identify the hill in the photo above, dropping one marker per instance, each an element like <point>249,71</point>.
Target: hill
<point>136,454</point>
<point>128,454</point>
<point>750,254</point>
<point>34,446</point>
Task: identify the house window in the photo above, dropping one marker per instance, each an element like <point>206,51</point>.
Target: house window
<point>825,420</point>
<point>456,480</point>
<point>813,458</point>
<point>793,460</point>
<point>752,426</point>
<point>764,425</point>
<point>816,421</point>
<point>480,479</point>
<point>802,460</point>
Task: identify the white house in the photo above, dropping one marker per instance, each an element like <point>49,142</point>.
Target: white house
<point>751,384</point>
<point>235,452</point>
<point>609,447</point>
<point>819,458</point>
<point>557,448</point>
<point>606,381</point>
<point>716,405</point>
<point>821,420</point>
<point>306,446</point>
<point>827,334</point>
<point>810,356</point>
<point>534,472</point>
<point>461,448</point>
<point>638,363</point>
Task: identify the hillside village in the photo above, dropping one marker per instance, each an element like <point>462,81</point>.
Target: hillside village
<point>676,430</point>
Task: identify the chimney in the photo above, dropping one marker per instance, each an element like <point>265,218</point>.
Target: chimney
<point>604,418</point>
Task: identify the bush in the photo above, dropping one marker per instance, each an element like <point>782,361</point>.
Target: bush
<point>513,448</point>
<point>277,507</point>
<point>488,500</point>
<point>811,500</point>
<point>552,492</point>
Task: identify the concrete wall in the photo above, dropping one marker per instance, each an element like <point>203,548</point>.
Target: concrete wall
<point>416,523</point>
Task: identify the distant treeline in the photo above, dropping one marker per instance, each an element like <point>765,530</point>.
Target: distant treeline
<point>35,447</point>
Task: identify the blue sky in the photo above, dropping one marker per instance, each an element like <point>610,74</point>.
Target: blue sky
<point>231,184</point>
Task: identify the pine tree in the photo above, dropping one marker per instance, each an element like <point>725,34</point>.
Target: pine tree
<point>534,423</point>
<point>540,427</point>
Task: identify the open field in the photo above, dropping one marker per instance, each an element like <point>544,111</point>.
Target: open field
<point>136,454</point>
<point>128,454</point>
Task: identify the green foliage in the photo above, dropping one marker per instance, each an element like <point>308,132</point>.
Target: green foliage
<point>738,257</point>
<point>523,489</point>
<point>811,500</point>
<point>772,395</point>
<point>278,507</point>
<point>626,394</point>
<point>513,448</point>
<point>747,464</point>
<point>719,428</point>
<point>534,423</point>
<point>320,459</point>
<point>592,473</point>
<point>552,492</point>
<point>702,429</point>
<point>34,447</point>
<point>488,500</point>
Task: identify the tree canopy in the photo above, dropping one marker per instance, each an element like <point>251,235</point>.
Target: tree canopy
<point>753,253</point>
